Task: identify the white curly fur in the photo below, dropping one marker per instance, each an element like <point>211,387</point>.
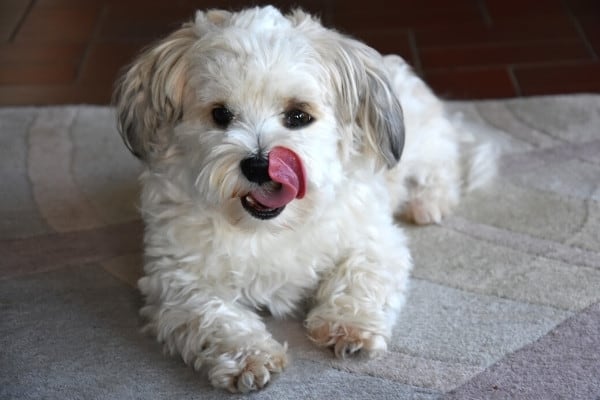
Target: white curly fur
<point>209,264</point>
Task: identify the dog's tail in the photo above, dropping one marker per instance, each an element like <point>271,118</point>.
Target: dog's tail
<point>479,156</point>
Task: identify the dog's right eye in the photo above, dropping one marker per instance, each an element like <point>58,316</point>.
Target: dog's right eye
<point>295,119</point>
<point>222,116</point>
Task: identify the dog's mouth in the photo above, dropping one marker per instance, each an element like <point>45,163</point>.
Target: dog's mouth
<point>287,183</point>
<point>259,210</point>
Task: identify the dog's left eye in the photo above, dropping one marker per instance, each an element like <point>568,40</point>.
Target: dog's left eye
<point>222,116</point>
<point>295,119</point>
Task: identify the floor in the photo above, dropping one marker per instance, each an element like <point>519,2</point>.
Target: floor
<point>70,51</point>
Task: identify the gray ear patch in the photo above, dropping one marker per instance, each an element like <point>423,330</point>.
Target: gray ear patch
<point>385,119</point>
<point>380,113</point>
<point>365,96</point>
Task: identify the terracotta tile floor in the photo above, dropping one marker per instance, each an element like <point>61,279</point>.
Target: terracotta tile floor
<point>70,51</point>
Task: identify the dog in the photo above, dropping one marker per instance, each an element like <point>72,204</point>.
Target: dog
<point>273,180</point>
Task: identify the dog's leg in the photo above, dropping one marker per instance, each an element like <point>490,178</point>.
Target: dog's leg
<point>435,182</point>
<point>433,191</point>
<point>441,160</point>
<point>205,329</point>
<point>358,302</point>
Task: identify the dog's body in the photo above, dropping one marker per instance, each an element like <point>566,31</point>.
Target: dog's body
<point>272,147</point>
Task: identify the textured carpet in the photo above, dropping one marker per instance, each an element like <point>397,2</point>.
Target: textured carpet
<point>504,299</point>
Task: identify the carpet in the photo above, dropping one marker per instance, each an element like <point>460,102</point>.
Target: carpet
<point>504,301</point>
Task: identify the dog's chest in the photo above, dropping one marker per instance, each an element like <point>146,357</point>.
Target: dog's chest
<point>271,271</point>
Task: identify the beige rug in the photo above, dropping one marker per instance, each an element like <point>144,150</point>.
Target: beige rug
<point>504,301</point>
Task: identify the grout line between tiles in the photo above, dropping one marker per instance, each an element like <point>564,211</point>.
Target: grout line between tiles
<point>88,48</point>
<point>500,44</point>
<point>529,64</point>
<point>21,21</point>
<point>580,31</point>
<point>485,13</point>
<point>414,50</point>
<point>513,79</point>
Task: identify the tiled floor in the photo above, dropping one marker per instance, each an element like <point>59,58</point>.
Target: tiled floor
<point>70,51</point>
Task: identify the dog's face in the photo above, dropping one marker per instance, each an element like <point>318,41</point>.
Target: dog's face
<point>263,114</point>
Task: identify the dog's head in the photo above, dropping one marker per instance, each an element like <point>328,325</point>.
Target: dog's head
<point>262,112</point>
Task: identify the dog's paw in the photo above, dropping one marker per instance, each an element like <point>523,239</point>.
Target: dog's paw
<point>429,202</point>
<point>346,340</point>
<point>425,212</point>
<point>247,370</point>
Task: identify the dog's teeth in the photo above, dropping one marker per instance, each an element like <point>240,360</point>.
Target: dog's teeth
<point>250,200</point>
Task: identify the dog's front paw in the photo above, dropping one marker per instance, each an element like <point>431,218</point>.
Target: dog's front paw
<point>346,339</point>
<point>247,370</point>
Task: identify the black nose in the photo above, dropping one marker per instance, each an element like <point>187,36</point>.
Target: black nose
<point>256,169</point>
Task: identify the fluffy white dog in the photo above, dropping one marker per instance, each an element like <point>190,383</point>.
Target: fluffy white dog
<point>272,147</point>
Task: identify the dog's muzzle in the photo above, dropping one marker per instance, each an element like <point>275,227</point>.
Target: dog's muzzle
<point>280,178</point>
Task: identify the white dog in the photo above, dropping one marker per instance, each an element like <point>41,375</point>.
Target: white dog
<point>272,147</point>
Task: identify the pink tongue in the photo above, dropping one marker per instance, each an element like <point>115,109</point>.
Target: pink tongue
<point>285,168</point>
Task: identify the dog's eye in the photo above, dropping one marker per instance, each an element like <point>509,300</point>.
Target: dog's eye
<point>295,119</point>
<point>222,116</point>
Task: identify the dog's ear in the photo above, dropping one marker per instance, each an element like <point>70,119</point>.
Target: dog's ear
<point>365,97</point>
<point>149,96</point>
